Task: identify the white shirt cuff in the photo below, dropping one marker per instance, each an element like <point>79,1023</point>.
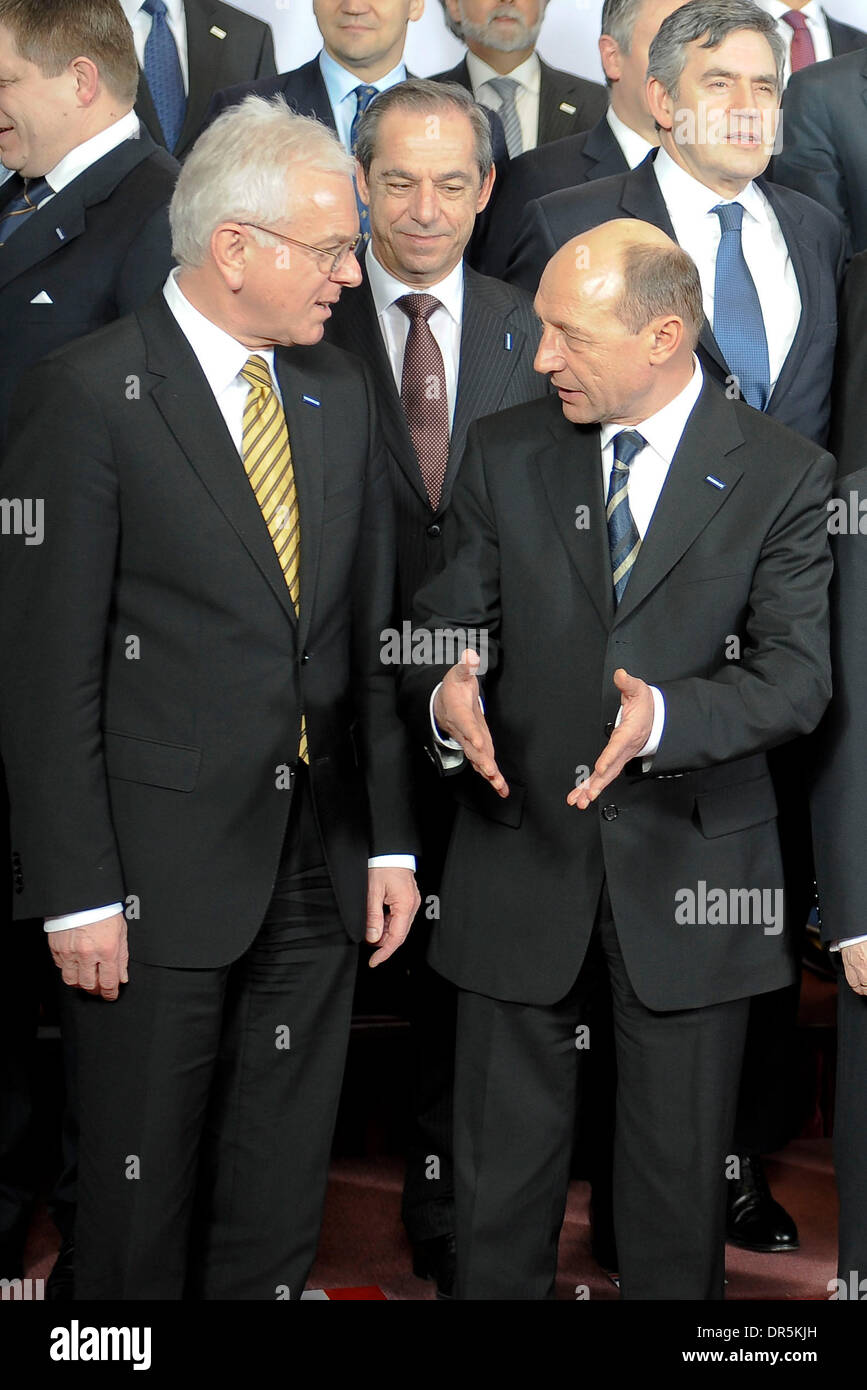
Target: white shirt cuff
<point>655,736</point>
<point>846,941</point>
<point>82,919</point>
<point>392,861</point>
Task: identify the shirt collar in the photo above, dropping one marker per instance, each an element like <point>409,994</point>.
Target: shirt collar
<point>664,429</point>
<point>341,82</point>
<point>220,356</point>
<point>527,74</point>
<point>634,146</point>
<point>692,197</point>
<point>132,7</point>
<point>811,11</point>
<point>385,288</point>
<point>89,151</point>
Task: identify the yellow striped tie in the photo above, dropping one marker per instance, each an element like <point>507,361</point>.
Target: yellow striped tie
<point>268,464</point>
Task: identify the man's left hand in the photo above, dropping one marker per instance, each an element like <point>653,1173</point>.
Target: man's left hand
<point>395,889</point>
<point>626,741</point>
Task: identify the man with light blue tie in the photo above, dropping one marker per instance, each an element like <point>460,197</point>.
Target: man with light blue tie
<point>187,50</point>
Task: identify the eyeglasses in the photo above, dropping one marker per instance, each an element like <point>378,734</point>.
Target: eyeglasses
<point>329,261</point>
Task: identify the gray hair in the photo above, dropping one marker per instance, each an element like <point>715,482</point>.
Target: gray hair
<point>658,281</point>
<point>618,21</point>
<point>422,95</point>
<point>451,24</point>
<point>240,169</point>
<point>715,19</point>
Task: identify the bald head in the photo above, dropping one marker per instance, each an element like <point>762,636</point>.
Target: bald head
<point>621,311</point>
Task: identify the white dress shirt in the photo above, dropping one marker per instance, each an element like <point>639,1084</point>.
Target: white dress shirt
<point>445,322</point>
<point>697,229</point>
<point>141,24</point>
<point>88,152</point>
<point>817,26</point>
<point>528,76</point>
<point>221,358</point>
<point>634,147</point>
<point>647,474</point>
<point>340,85</point>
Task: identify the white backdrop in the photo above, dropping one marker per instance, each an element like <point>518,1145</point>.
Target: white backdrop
<point>568,38</point>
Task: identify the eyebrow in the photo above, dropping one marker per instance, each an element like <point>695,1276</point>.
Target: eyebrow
<point>413,178</point>
<point>733,76</point>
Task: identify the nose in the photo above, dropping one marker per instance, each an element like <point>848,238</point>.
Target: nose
<point>349,273</point>
<point>424,204</point>
<point>549,356</point>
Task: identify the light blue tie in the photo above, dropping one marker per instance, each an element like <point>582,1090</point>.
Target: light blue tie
<point>738,325</point>
<point>364,96</point>
<point>624,541</point>
<point>162,68</point>
<point>506,87</point>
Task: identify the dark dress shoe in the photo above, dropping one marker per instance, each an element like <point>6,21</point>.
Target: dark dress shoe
<point>754,1220</point>
<point>435,1259</point>
<point>59,1288</point>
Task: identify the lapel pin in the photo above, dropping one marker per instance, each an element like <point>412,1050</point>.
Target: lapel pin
<point>568,108</point>
<point>715,482</point>
<point>217,32</point>
<point>61,233</point>
<point>507,342</point>
<point>311,400</point>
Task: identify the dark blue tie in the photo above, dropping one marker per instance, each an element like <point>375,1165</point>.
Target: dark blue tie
<point>22,206</point>
<point>738,325</point>
<point>624,541</point>
<point>162,68</point>
<point>364,96</point>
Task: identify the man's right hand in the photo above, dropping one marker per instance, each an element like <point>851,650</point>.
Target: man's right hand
<point>458,714</point>
<point>93,958</point>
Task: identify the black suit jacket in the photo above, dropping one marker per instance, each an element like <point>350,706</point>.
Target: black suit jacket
<point>567,104</point>
<point>303,88</point>
<point>98,250</point>
<point>824,151</point>
<point>845,38</point>
<point>245,50</point>
<point>801,398</point>
<point>499,337</point>
<point>849,409</point>
<point>164,775</point>
<point>594,154</point>
<point>748,559</point>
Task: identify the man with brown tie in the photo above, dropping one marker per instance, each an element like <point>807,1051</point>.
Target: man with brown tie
<point>208,778</point>
<point>445,345</point>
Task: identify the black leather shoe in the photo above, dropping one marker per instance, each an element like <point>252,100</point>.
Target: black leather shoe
<point>59,1288</point>
<point>754,1220</point>
<point>435,1259</point>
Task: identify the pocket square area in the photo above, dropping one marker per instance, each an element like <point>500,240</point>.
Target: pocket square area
<point>43,297</point>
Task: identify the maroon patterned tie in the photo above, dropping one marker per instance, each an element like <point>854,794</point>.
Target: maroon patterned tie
<point>803,53</point>
<point>423,393</point>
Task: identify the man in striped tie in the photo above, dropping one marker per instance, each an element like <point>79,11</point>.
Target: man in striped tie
<point>649,562</point>
<point>231,816</point>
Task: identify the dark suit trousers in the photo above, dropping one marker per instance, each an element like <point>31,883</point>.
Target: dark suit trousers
<point>517,1075</point>
<point>208,1100</point>
<point>850,1129</point>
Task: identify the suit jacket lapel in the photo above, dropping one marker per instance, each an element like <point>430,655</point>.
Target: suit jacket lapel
<point>687,501</point>
<point>601,146</point>
<point>304,408</point>
<point>146,111</point>
<point>185,401</point>
<point>64,218</point>
<point>205,52</point>
<point>802,247</point>
<point>570,466</point>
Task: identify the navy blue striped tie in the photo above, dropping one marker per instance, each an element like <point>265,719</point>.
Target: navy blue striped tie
<point>162,68</point>
<point>22,206</point>
<point>364,96</point>
<point>623,539</point>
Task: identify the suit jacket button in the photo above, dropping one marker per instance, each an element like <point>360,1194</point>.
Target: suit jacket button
<point>610,813</point>
<point>434,529</point>
<point>305,656</point>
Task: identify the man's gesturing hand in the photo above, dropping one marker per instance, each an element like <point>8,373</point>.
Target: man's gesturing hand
<point>395,889</point>
<point>458,713</point>
<point>855,965</point>
<point>626,741</point>
<point>93,958</point>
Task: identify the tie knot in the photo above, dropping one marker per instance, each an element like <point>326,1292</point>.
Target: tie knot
<point>627,444</point>
<point>155,8</point>
<point>505,87</point>
<point>730,215</point>
<point>795,19</point>
<point>364,96</point>
<point>418,306</point>
<point>255,372</point>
